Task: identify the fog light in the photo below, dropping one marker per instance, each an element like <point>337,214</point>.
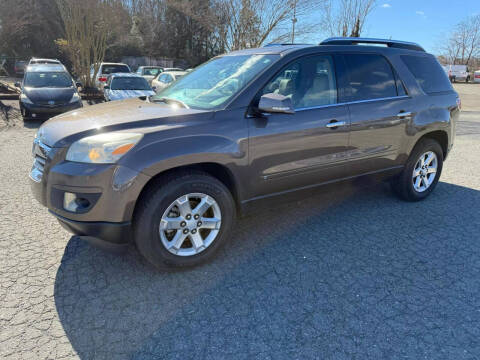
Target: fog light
<point>73,203</point>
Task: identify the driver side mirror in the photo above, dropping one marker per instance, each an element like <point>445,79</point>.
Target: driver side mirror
<point>78,84</point>
<point>276,103</point>
<point>154,88</point>
<point>17,84</point>
<point>106,87</point>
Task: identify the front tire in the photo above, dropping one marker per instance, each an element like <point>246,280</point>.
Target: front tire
<point>421,172</point>
<point>183,219</point>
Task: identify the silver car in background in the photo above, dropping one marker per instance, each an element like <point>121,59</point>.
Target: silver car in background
<point>166,79</point>
<point>126,85</point>
<point>105,69</point>
<point>149,72</point>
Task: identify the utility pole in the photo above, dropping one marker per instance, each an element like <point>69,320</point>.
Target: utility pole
<point>294,20</point>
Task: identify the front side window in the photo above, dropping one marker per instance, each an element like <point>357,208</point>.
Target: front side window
<point>47,79</point>
<point>151,71</point>
<point>370,77</point>
<point>309,82</point>
<point>217,81</point>
<point>129,83</point>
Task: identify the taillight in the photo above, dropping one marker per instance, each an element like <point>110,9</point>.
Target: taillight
<point>477,76</point>
<point>102,79</point>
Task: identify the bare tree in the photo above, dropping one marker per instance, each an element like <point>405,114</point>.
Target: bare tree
<point>463,45</point>
<point>346,17</point>
<point>86,31</point>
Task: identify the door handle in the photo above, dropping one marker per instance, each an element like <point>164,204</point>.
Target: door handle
<point>403,114</point>
<point>335,124</point>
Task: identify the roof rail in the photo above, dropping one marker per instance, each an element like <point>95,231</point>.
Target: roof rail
<point>283,44</point>
<point>355,41</point>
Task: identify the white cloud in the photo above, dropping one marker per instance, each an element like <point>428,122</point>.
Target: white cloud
<point>386,6</point>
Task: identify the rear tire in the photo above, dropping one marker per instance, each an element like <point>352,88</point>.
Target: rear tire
<point>160,212</point>
<point>415,188</point>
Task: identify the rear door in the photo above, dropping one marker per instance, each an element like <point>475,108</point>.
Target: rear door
<point>380,110</point>
<point>289,151</point>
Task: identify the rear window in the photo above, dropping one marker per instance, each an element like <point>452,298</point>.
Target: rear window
<point>129,83</point>
<point>429,73</point>
<point>370,77</point>
<point>110,69</point>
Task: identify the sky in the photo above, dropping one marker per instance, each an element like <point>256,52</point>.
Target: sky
<point>426,22</point>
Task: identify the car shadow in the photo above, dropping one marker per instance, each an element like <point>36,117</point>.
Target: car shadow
<point>342,270</point>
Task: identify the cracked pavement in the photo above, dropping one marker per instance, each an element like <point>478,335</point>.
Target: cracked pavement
<point>350,272</point>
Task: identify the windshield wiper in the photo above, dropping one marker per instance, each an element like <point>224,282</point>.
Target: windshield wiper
<point>168,100</point>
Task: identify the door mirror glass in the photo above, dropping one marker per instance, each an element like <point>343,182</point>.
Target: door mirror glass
<point>106,87</point>
<point>17,84</point>
<point>78,84</point>
<point>276,103</point>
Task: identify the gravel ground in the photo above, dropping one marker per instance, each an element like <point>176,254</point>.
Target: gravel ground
<point>349,273</point>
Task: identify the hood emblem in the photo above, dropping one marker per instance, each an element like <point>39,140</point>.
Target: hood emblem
<point>51,102</point>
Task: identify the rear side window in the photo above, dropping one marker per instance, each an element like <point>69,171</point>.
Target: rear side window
<point>110,69</point>
<point>429,73</point>
<point>370,77</point>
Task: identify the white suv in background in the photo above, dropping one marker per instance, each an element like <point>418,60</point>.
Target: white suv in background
<point>105,69</point>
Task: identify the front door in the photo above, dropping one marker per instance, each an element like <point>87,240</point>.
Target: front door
<point>289,151</point>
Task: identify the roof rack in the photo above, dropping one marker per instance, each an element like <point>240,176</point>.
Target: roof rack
<point>356,41</point>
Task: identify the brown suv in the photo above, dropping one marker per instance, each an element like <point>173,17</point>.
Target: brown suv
<point>171,171</point>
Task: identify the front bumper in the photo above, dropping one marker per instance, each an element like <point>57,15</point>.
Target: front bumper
<point>46,111</point>
<point>111,190</point>
<point>110,236</point>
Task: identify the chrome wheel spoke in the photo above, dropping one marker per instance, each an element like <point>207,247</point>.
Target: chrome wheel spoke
<point>177,241</point>
<point>197,241</point>
<point>431,170</point>
<point>416,173</point>
<point>210,223</point>
<point>203,206</point>
<point>171,223</point>
<point>183,205</point>
<point>429,158</point>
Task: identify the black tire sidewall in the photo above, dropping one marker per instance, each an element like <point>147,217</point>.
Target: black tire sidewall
<point>146,228</point>
<point>421,148</point>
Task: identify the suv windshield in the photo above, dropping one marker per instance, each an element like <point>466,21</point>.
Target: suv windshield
<point>129,83</point>
<point>217,81</point>
<point>110,69</point>
<point>47,79</point>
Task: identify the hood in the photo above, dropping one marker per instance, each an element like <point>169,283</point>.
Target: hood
<point>126,94</point>
<point>44,95</point>
<point>109,116</point>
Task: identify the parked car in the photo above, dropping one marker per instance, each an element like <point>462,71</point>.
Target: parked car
<point>170,172</point>
<point>43,61</point>
<point>47,90</point>
<point>476,76</point>
<point>123,86</point>
<point>19,67</point>
<point>106,69</point>
<point>173,69</point>
<point>166,79</point>
<point>458,73</point>
<point>149,72</point>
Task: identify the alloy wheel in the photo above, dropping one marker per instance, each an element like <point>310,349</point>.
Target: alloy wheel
<point>190,224</point>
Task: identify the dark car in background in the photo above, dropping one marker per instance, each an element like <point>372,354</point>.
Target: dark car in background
<point>19,67</point>
<point>47,90</point>
<point>171,171</point>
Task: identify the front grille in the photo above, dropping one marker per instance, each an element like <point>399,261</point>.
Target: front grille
<point>40,154</point>
<point>49,103</point>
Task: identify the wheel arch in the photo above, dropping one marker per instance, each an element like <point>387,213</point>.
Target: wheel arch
<point>216,170</point>
<point>439,136</point>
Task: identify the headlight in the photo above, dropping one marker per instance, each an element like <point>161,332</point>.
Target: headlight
<point>24,98</point>
<point>105,148</point>
<point>75,98</point>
